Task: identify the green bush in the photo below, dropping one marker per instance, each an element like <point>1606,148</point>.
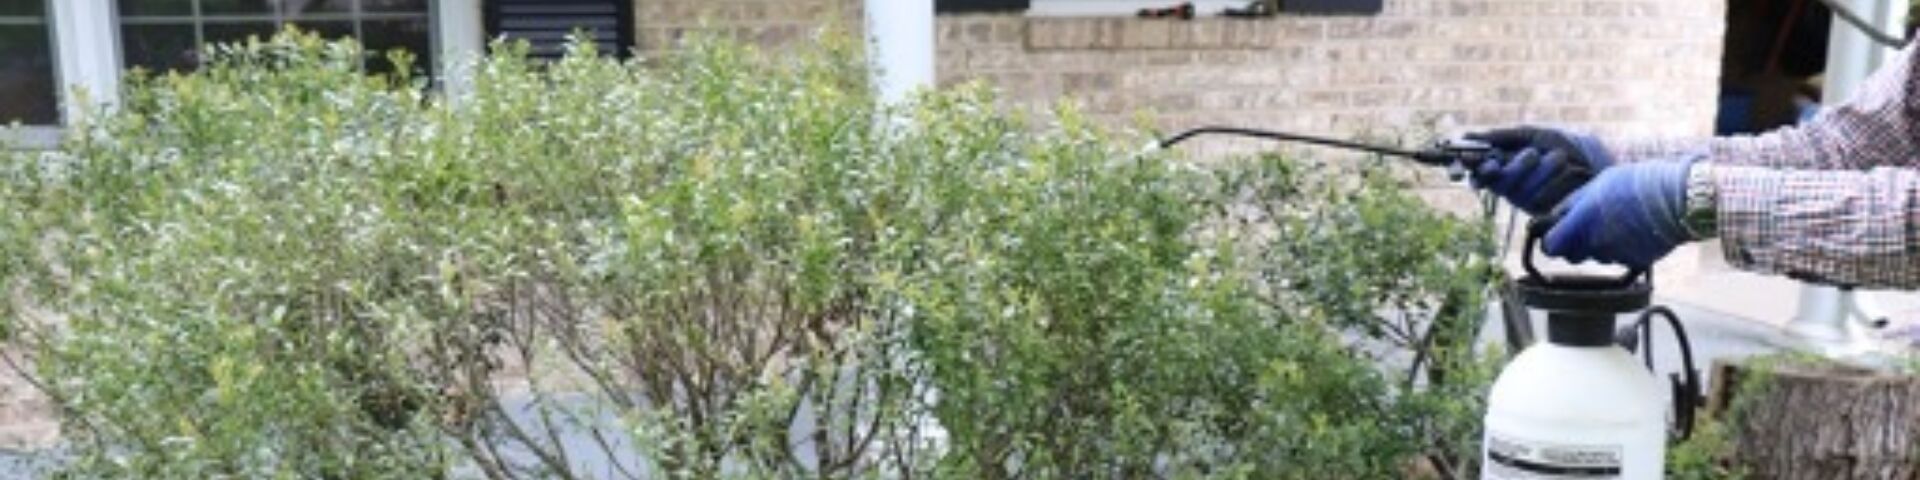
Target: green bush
<point>725,264</point>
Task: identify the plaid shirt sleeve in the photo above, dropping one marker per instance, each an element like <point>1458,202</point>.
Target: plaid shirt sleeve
<point>1845,227</point>
<point>1836,200</point>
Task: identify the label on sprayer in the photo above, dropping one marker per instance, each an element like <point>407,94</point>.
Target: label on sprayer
<point>1510,458</point>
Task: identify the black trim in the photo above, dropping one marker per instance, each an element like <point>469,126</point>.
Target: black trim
<point>544,24</point>
<point>1333,7</point>
<point>973,6</point>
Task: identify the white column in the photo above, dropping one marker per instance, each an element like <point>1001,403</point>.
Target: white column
<point>901,34</point>
<point>1890,17</point>
<point>1824,312</point>
<point>460,39</point>
<point>87,49</point>
<point>900,40</point>
<point>1850,54</point>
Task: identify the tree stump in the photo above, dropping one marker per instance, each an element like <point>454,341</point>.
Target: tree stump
<point>1822,422</point>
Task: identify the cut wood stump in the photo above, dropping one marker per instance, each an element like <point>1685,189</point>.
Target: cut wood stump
<point>1820,421</point>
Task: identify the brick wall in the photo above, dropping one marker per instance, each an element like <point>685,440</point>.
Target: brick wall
<point>1619,67</point>
<point>772,23</point>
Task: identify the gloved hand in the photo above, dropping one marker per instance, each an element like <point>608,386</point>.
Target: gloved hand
<point>1630,215</point>
<point>1539,166</point>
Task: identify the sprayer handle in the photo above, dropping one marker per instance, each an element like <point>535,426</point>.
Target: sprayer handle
<point>1536,230</point>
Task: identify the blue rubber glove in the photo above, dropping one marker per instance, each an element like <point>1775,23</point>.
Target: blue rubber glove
<point>1538,166</point>
<point>1630,215</point>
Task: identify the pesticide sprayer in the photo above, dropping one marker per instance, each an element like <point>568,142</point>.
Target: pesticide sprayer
<point>1576,405</point>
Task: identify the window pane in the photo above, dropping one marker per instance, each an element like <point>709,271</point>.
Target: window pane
<point>235,7</point>
<point>238,32</point>
<point>409,35</point>
<point>393,6</point>
<point>327,30</point>
<point>159,48</point>
<point>155,7</point>
<point>318,6</point>
<point>30,8</point>
<point>26,76</point>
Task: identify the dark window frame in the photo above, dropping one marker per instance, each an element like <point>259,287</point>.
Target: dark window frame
<point>1332,7</point>
<point>43,21</point>
<point>356,18</point>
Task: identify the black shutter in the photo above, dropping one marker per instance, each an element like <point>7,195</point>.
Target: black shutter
<point>963,6</point>
<point>545,24</point>
<point>1332,7</point>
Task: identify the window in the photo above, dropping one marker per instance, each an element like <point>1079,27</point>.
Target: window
<point>167,34</point>
<point>28,88</point>
<point>51,47</point>
<point>545,24</point>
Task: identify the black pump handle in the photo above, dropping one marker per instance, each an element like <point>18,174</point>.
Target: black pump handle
<point>1537,229</point>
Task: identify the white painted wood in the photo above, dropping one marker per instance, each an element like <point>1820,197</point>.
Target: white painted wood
<point>460,38</point>
<point>87,51</point>
<point>1849,54</point>
<point>1888,16</point>
<point>902,33</point>
<point>30,138</point>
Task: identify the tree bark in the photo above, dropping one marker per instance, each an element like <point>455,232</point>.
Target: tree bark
<point>1822,422</point>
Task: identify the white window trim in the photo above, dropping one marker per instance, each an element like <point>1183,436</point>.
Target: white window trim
<point>87,57</point>
<point>1127,8</point>
<point>30,137</point>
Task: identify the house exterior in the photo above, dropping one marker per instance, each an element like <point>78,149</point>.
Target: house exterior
<point>1620,67</point>
<point>1631,67</point>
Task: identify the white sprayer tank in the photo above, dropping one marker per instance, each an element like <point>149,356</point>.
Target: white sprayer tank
<point>1576,406</point>
<point>1571,412</point>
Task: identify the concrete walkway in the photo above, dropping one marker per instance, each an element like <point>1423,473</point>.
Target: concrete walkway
<point>1699,275</point>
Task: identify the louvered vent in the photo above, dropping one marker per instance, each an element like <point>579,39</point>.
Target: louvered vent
<point>545,24</point>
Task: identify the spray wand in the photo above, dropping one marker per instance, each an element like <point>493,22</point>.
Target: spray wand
<point>1457,154</point>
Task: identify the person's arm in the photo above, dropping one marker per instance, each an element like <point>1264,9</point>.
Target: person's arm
<point>1838,227</point>
<point>1875,127</point>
